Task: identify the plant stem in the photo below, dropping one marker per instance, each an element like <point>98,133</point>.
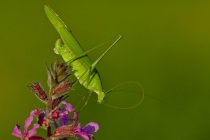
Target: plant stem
<point>49,132</point>
<point>49,109</point>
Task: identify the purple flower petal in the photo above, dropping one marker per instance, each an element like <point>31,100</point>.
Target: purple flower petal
<point>68,106</point>
<point>63,112</point>
<point>33,112</point>
<point>75,118</point>
<point>16,132</point>
<point>64,120</point>
<point>33,130</point>
<point>83,135</point>
<point>90,128</point>
<point>78,127</point>
<point>29,120</point>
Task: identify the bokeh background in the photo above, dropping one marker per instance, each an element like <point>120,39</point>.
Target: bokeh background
<point>166,48</point>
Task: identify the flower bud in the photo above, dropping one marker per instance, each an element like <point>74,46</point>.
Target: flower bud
<point>38,91</point>
<point>61,89</point>
<point>64,132</point>
<point>57,101</point>
<point>55,115</point>
<point>36,138</point>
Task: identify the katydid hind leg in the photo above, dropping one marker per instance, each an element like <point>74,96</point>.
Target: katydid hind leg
<point>93,65</point>
<point>102,55</point>
<point>92,71</point>
<point>59,44</point>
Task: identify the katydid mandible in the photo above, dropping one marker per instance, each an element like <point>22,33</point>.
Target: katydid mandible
<point>71,51</point>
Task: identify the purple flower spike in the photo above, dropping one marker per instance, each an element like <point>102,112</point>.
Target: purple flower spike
<point>27,133</point>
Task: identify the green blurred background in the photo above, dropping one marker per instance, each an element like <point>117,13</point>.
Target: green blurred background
<point>166,48</point>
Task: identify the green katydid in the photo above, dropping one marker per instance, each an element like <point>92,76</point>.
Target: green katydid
<point>71,51</point>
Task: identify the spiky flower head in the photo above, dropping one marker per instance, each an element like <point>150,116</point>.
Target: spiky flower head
<point>57,73</point>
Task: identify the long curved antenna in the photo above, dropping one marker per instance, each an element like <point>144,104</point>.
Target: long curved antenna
<point>130,107</point>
